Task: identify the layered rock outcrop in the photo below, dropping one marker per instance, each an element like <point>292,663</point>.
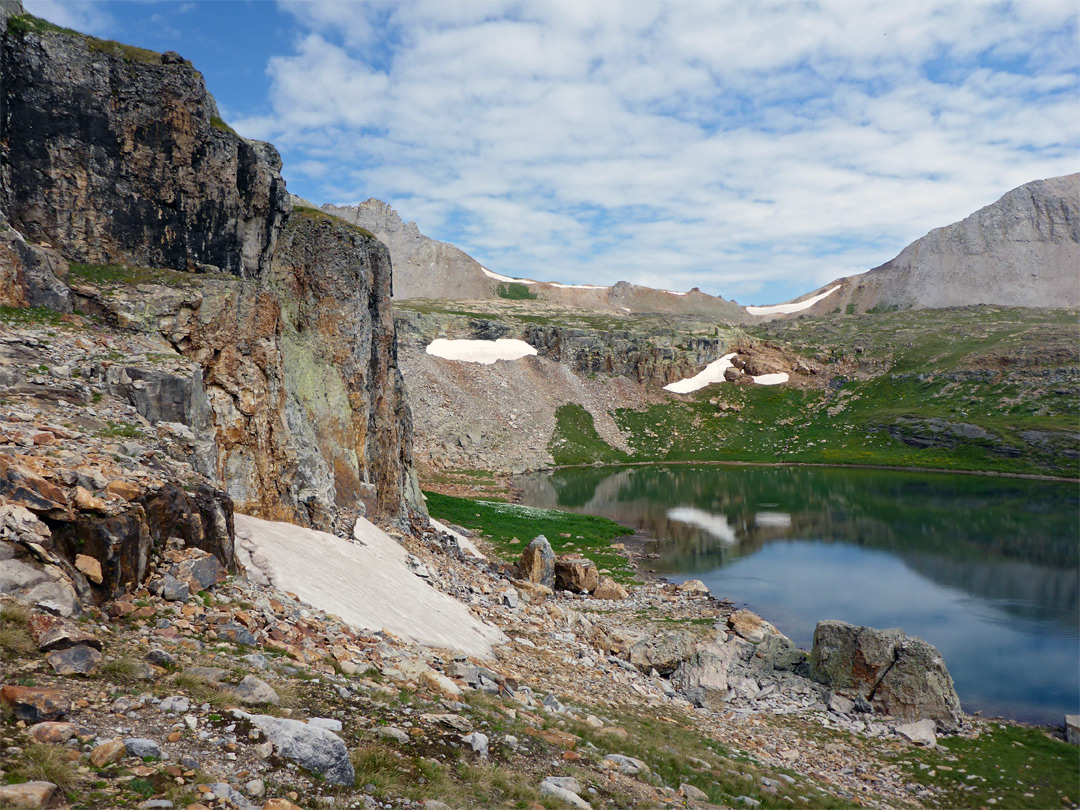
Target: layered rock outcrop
<point>115,154</point>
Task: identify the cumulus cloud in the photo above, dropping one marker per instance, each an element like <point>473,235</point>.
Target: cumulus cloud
<point>87,16</point>
<point>753,150</point>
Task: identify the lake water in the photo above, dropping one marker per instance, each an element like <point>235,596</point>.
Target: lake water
<point>985,568</point>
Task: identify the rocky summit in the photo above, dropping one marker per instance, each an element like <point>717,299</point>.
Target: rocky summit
<point>220,588</point>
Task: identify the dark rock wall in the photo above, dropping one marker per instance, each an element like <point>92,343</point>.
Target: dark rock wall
<point>114,157</point>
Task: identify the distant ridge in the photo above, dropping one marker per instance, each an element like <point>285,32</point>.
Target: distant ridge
<point>1022,251</point>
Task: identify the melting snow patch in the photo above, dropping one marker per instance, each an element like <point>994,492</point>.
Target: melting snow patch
<point>712,373</point>
<point>575,286</point>
<point>480,351</point>
<point>787,309</point>
<point>771,379</point>
<point>501,277</point>
<point>773,520</point>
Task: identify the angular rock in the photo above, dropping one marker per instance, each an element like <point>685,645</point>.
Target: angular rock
<point>703,678</point>
<point>537,562</point>
<point>253,691</point>
<point>748,625</point>
<point>920,733</point>
<point>280,804</point>
<point>141,747</point>
<point>89,566</point>
<point>107,753</point>
<point>664,652</point>
<point>693,793</point>
<point>35,705</point>
<point>392,733</point>
<point>840,704</point>
<point>549,787</point>
<point>176,704</point>
<point>316,749</point>
<point>609,589</point>
<point>52,633</point>
<point>692,587</point>
<point>576,574</point>
<point>439,683</point>
<point>454,721</point>
<point>81,659</point>
<point>201,573</point>
<point>478,742</point>
<point>236,634</point>
<point>1072,729</point>
<point>627,765</point>
<point>52,733</point>
<point>28,795</point>
<point>897,674</point>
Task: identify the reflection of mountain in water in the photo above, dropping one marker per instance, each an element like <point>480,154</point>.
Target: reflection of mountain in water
<point>1012,540</point>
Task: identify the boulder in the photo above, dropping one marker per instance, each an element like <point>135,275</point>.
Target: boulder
<point>52,733</point>
<point>610,589</point>
<point>576,574</point>
<point>200,573</point>
<point>53,633</point>
<point>81,659</point>
<point>692,587</point>
<point>28,795</point>
<point>897,674</point>
<point>320,751</point>
<point>1072,729</point>
<point>88,566</point>
<point>920,733</point>
<point>551,787</point>
<point>748,625</point>
<point>624,764</point>
<point>141,747</point>
<point>107,753</point>
<point>663,652</point>
<point>35,705</point>
<point>703,677</point>
<point>253,691</point>
<point>537,562</point>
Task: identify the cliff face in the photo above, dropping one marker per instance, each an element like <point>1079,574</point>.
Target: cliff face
<point>1021,251</point>
<point>114,154</point>
<point>423,267</point>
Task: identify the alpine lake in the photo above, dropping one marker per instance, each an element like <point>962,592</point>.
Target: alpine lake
<point>985,568</point>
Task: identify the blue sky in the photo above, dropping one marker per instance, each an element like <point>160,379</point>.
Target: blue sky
<point>754,150</point>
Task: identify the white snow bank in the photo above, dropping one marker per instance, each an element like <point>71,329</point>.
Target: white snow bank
<point>480,351</point>
<point>464,543</point>
<point>787,309</point>
<point>367,584</point>
<point>716,525</point>
<point>712,373</point>
<point>576,286</point>
<point>672,292</point>
<point>501,277</point>
<point>771,379</point>
<point>773,520</point>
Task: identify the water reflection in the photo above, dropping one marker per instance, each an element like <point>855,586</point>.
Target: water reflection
<point>988,569</point>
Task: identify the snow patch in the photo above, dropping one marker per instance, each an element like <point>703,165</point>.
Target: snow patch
<point>367,583</point>
<point>501,277</point>
<point>771,379</point>
<point>672,292</point>
<point>787,309</point>
<point>575,286</point>
<point>480,351</point>
<point>773,520</point>
<point>716,525</point>
<point>712,373</point>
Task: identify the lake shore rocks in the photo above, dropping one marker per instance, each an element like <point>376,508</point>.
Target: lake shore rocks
<point>897,674</point>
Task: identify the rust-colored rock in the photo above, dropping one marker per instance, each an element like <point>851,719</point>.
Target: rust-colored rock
<point>89,567</point>
<point>609,589</point>
<point>576,574</point>
<point>35,705</point>
<point>123,489</point>
<point>52,733</point>
<point>280,804</point>
<point>28,795</point>
<point>53,633</point>
<point>107,753</point>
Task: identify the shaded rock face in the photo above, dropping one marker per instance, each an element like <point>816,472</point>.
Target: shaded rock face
<point>30,275</point>
<point>114,157</point>
<point>897,674</point>
<point>423,267</point>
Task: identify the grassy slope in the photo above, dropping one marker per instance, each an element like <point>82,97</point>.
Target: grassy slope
<point>1005,371</point>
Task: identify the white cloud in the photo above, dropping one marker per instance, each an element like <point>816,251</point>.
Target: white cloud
<point>88,16</point>
<point>748,149</point>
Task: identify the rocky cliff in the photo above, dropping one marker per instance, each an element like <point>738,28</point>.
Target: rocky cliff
<point>423,267</point>
<point>117,155</point>
<point>1021,251</point>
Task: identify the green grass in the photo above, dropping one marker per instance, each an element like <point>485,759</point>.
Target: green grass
<point>15,640</point>
<point>1020,767</point>
<point>305,212</point>
<point>566,531</point>
<point>110,275</point>
<point>119,430</point>
<point>27,23</point>
<point>514,291</point>
<point>31,316</point>
<point>217,123</point>
<point>575,440</point>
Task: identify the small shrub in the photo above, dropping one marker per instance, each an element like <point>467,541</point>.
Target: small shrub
<point>50,763</point>
<point>515,291</point>
<point>120,669</point>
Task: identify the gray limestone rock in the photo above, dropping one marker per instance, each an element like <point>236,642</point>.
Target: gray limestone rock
<point>142,747</point>
<point>703,677</point>
<point>537,562</point>
<point>253,691</point>
<point>82,659</point>
<point>316,749</point>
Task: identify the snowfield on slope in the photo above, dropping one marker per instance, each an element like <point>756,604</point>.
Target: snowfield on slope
<point>714,373</point>
<point>367,583</point>
<point>480,351</point>
<point>787,309</point>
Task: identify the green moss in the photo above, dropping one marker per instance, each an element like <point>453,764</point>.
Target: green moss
<point>503,523</point>
<point>110,275</point>
<point>514,291</point>
<point>31,316</point>
<point>217,123</point>
<point>27,23</point>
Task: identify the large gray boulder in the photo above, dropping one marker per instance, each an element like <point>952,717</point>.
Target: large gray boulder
<point>317,749</point>
<point>897,674</point>
<point>703,677</point>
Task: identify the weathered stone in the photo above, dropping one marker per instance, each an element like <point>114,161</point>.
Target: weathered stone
<point>478,742</point>
<point>535,590</point>
<point>173,590</point>
<point>899,675</point>
<point>693,793</point>
<point>440,684</point>
<point>316,749</point>
<point>52,732</point>
<point>625,764</point>
<point>692,587</point>
<point>27,796</point>
<point>920,733</point>
<point>537,562</point>
<point>392,733</point>
<point>552,786</point>
<point>81,659</point>
<point>253,691</point>
<point>90,567</point>
<point>748,625</point>
<point>608,588</point>
<point>177,704</point>
<point>280,804</point>
<point>663,651</point>
<point>454,721</point>
<point>703,677</point>
<point>35,705</point>
<point>1072,729</point>
<point>840,704</point>
<point>107,753</point>
<point>236,634</point>
<point>576,574</point>
<point>201,573</point>
<point>52,633</point>
<point>141,747</point>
